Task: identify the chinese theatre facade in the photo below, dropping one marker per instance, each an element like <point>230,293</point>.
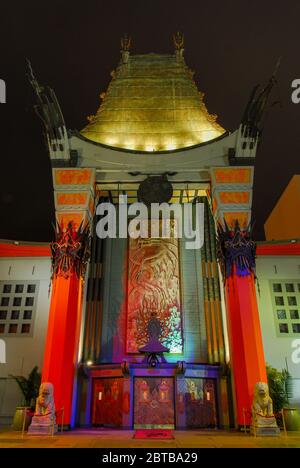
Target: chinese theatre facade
<point>152,139</point>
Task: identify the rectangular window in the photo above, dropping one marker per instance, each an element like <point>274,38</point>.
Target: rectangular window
<point>281,314</point>
<point>279,300</point>
<point>294,314</point>
<point>15,314</point>
<point>292,301</point>
<point>4,301</point>
<point>13,328</point>
<point>296,327</point>
<point>286,306</point>
<point>27,315</point>
<point>18,301</point>
<point>29,301</point>
<point>25,328</point>
<point>3,314</point>
<point>283,328</point>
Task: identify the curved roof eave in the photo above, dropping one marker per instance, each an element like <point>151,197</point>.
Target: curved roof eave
<point>106,158</point>
<point>125,150</point>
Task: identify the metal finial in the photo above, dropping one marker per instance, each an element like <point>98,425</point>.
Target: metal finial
<point>125,43</point>
<point>178,40</point>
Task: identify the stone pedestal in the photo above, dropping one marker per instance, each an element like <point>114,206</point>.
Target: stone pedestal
<point>41,425</point>
<point>268,431</point>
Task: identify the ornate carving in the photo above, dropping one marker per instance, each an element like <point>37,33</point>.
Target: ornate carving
<point>235,251</point>
<point>47,108</point>
<point>154,348</point>
<point>70,250</point>
<point>255,112</point>
<point>155,189</point>
<point>153,286</point>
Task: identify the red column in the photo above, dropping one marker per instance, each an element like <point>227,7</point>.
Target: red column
<point>247,354</point>
<point>62,340</point>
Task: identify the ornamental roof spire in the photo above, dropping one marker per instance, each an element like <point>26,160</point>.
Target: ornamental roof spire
<point>125,48</point>
<point>178,40</point>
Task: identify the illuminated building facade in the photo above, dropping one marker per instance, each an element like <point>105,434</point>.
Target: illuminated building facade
<point>152,125</point>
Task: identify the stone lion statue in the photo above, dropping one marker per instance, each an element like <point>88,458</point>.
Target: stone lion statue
<point>262,407</point>
<point>262,403</point>
<point>45,401</point>
<point>44,421</point>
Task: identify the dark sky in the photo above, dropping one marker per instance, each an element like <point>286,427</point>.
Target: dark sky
<point>230,44</point>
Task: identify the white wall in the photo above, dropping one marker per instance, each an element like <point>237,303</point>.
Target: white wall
<point>23,353</point>
<point>278,349</point>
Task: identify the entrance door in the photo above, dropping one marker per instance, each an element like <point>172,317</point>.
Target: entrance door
<point>107,402</point>
<point>200,402</point>
<point>154,402</point>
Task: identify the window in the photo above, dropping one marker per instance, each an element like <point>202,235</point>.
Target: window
<point>286,306</point>
<point>27,315</point>
<point>4,301</point>
<point>281,314</point>
<point>292,301</point>
<point>17,301</point>
<point>13,328</point>
<point>17,307</point>
<point>15,315</point>
<point>283,328</point>
<point>29,301</point>
<point>294,314</point>
<point>25,328</point>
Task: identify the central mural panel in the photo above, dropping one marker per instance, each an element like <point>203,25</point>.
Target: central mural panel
<point>154,286</point>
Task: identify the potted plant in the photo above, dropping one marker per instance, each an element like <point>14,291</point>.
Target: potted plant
<point>30,389</point>
<point>280,388</point>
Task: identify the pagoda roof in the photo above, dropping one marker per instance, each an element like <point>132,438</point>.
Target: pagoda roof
<point>152,104</point>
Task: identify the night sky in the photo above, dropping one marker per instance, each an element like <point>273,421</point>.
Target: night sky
<point>230,44</point>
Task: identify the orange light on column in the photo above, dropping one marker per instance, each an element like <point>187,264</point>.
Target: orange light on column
<point>62,340</point>
<point>247,354</point>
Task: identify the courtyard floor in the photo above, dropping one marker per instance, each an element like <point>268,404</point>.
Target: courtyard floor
<point>103,438</point>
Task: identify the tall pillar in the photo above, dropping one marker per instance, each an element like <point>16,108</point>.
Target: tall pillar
<point>74,198</point>
<point>231,201</point>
